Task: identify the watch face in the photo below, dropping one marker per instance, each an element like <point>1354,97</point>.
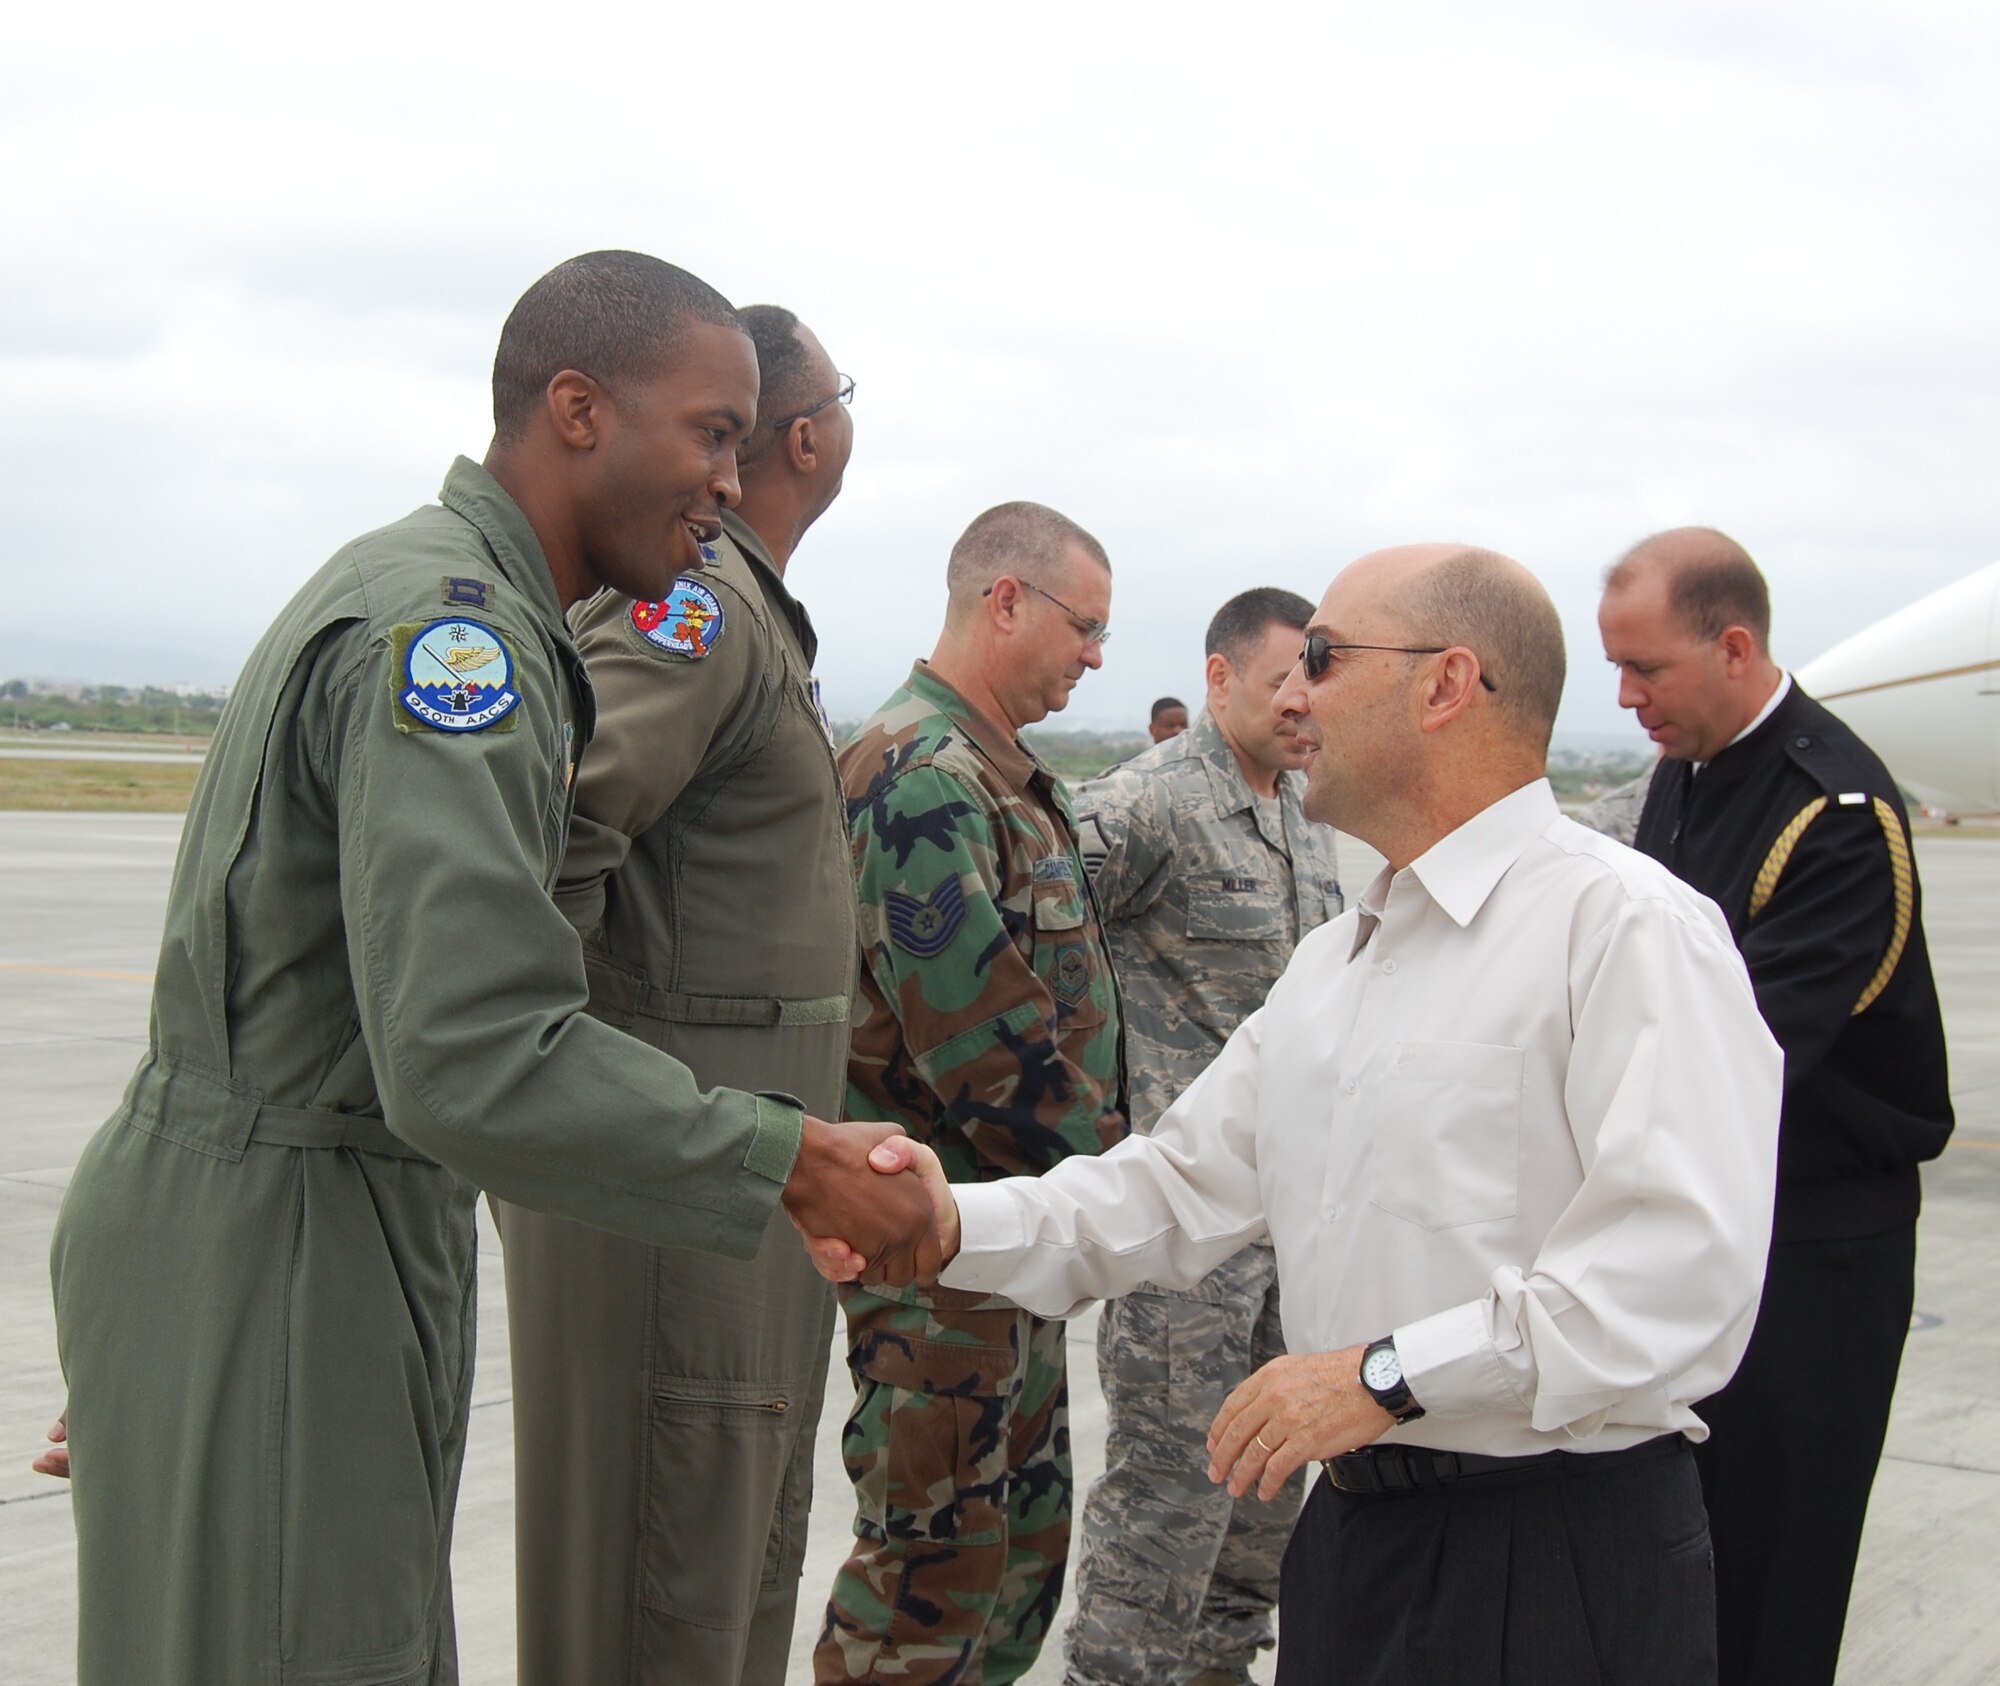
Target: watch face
<point>1382,1369</point>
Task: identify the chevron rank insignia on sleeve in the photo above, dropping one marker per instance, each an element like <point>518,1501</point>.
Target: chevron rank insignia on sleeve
<point>925,926</point>
<point>1093,846</point>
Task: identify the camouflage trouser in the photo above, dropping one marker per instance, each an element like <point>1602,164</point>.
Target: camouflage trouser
<point>958,1447</point>
<point>1171,1572</point>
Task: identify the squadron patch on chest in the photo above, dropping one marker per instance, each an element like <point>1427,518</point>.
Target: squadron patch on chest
<point>1072,979</point>
<point>453,676</point>
<point>687,622</point>
<point>924,925</point>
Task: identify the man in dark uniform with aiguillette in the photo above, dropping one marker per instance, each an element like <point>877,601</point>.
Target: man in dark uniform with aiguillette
<point>1772,807</point>
<point>368,1008</point>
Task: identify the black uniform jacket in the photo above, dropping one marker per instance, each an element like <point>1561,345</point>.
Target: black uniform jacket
<point>1839,924</point>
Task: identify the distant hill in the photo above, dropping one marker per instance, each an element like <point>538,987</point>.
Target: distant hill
<point>30,655</point>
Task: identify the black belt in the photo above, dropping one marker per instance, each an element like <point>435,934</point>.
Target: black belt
<point>1403,1470</point>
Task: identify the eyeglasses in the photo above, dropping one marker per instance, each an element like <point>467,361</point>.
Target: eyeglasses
<point>1094,632</point>
<point>1317,656</point>
<point>842,394</point>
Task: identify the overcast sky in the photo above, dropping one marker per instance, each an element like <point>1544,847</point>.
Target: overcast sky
<point>1247,290</point>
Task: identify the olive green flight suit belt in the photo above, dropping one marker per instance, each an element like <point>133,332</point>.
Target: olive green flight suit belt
<point>221,1116</point>
<point>301,1126</point>
<point>676,1008</point>
<point>615,993</point>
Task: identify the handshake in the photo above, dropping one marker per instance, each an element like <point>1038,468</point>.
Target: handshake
<point>872,1204</point>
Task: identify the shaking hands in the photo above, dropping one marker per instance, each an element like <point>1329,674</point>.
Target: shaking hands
<point>872,1204</point>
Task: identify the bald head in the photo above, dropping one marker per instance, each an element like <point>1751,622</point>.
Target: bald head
<point>1710,582</point>
<point>1445,594</point>
<point>1436,699</point>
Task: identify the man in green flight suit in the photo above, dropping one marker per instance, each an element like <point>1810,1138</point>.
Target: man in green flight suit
<point>989,1026</point>
<point>367,1007</point>
<point>665,1400</point>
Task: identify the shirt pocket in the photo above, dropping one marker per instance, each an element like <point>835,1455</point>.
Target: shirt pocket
<point>1448,1133</point>
<point>1236,910</point>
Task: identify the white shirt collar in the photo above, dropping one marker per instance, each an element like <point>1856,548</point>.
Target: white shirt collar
<point>1459,871</point>
<point>1770,708</point>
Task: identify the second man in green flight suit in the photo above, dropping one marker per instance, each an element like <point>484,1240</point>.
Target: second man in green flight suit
<point>665,1400</point>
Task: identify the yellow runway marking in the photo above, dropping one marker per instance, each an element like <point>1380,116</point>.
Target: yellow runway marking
<point>75,972</point>
<point>1975,1141</point>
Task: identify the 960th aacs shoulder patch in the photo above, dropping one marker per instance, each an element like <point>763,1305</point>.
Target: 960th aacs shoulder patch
<point>453,676</point>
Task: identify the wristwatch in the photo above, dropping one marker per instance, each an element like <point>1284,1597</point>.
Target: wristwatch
<point>1382,1376</point>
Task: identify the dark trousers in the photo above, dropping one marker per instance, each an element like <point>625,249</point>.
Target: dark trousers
<point>1795,1439</point>
<point>1588,1574</point>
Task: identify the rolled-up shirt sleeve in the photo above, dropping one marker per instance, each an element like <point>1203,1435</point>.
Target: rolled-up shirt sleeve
<point>1647,1286</point>
<point>1165,1208</point>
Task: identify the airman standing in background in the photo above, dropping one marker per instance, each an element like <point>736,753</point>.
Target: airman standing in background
<point>1207,873</point>
<point>989,1027</point>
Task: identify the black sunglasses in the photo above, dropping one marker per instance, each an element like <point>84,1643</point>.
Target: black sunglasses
<point>1317,656</point>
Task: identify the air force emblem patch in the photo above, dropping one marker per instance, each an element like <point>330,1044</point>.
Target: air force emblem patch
<point>925,926</point>
<point>454,676</point>
<point>1072,978</point>
<point>687,622</point>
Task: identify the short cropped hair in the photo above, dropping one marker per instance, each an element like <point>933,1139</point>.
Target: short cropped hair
<point>1011,538</point>
<point>1239,625</point>
<point>1712,584</point>
<point>617,317</point>
<point>783,372</point>
<point>1478,599</point>
<point>1162,704</point>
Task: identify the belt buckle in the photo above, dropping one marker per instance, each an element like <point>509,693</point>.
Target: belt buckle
<point>1354,1472</point>
<point>1392,1469</point>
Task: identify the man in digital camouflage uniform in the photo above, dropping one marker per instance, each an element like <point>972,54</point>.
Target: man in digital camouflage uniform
<point>1207,873</point>
<point>665,1399</point>
<point>988,1026</point>
<point>1616,812</point>
<point>367,1007</point>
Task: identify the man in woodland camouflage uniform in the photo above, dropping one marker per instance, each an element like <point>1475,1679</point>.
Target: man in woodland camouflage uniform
<point>989,1028</point>
<point>1208,874</point>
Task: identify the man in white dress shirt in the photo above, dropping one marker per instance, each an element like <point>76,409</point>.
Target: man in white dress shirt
<point>1511,1124</point>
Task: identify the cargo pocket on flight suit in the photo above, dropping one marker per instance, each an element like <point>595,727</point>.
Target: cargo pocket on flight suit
<point>926,1449</point>
<point>364,1486</point>
<point>1062,954</point>
<point>715,1473</point>
<point>1448,1133</point>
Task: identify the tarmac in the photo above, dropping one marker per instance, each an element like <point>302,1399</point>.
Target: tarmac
<point>81,898</point>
